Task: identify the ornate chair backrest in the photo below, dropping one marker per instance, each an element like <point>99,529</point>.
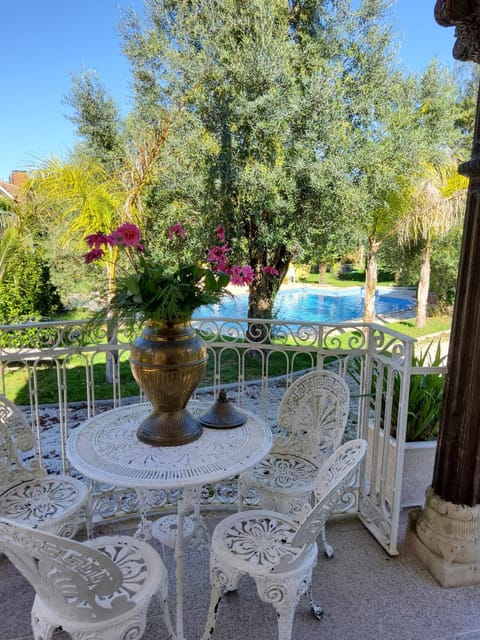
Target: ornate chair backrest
<point>313,415</point>
<point>18,462</point>
<point>334,475</point>
<point>71,578</point>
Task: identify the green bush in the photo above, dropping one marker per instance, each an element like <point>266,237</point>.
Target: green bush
<point>26,291</point>
<point>383,275</point>
<point>443,278</point>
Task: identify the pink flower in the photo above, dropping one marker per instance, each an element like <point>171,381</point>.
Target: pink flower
<point>218,253</point>
<point>94,254</point>
<point>220,232</point>
<point>176,229</point>
<point>96,240</point>
<point>127,234</point>
<point>242,275</point>
<point>270,271</point>
<point>248,274</point>
<point>222,266</point>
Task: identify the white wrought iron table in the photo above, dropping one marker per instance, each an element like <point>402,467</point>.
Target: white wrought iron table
<point>106,449</point>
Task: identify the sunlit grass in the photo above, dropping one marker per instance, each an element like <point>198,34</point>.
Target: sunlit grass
<point>16,379</point>
<point>352,279</point>
<point>436,324</point>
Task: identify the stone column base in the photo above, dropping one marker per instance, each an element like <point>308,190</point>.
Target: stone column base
<point>446,539</point>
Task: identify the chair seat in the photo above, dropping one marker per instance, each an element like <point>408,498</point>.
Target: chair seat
<point>28,495</point>
<point>284,472</point>
<point>139,562</point>
<point>44,502</point>
<point>258,541</point>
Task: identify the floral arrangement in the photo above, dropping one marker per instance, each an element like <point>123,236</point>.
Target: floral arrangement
<point>152,291</point>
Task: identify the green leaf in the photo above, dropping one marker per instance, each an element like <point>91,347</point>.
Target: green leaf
<point>132,284</point>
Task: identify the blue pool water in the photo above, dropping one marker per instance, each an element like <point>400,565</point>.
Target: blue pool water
<point>311,305</point>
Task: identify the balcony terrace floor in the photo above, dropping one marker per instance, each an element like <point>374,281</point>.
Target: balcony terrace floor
<point>365,593</point>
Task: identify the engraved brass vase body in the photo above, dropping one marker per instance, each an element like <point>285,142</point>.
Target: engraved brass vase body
<point>167,361</point>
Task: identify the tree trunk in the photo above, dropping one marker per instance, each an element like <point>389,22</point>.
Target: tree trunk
<point>262,293</point>
<point>423,286</point>
<point>322,270</point>
<point>371,282</point>
<point>260,305</point>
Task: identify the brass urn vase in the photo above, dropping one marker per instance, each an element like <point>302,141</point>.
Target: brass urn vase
<point>167,361</point>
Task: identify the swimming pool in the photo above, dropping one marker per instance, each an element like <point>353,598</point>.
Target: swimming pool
<point>310,304</point>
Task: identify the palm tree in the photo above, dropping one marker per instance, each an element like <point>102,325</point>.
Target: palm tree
<point>84,199</point>
<point>90,197</point>
<point>381,225</point>
<point>438,204</point>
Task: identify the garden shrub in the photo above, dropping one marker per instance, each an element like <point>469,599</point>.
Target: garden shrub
<point>26,291</point>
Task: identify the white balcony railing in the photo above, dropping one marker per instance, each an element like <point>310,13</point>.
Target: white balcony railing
<point>90,375</point>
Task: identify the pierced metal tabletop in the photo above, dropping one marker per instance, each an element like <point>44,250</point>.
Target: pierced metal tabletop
<point>106,449</point>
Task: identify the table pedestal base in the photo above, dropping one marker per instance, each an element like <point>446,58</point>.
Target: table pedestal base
<point>165,530</point>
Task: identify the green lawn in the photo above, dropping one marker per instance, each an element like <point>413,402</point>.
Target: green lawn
<point>351,279</point>
<point>16,379</point>
<point>434,325</point>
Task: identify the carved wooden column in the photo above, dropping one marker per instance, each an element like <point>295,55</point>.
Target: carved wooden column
<point>446,533</point>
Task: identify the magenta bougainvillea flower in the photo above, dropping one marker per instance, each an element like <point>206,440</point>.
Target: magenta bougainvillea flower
<point>241,276</point>
<point>95,254</point>
<point>218,254</point>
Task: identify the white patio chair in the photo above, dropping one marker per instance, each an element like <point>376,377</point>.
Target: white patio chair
<point>312,418</point>
<point>28,494</point>
<point>99,589</point>
<point>277,552</point>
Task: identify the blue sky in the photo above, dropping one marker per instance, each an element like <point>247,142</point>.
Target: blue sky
<point>43,43</point>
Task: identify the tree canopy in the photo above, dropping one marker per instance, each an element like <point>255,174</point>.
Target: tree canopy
<point>289,122</point>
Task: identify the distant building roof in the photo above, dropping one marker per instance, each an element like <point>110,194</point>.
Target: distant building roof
<point>9,190</point>
<point>13,189</point>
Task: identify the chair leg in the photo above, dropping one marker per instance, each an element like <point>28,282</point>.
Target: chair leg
<point>162,597</point>
<point>222,579</point>
<point>240,490</point>
<point>41,628</point>
<point>315,608</point>
<point>285,618</point>
<point>327,547</point>
<point>133,629</point>
<point>284,596</point>
<point>215,597</point>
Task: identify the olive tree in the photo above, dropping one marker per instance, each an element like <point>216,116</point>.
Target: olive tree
<point>264,145</point>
